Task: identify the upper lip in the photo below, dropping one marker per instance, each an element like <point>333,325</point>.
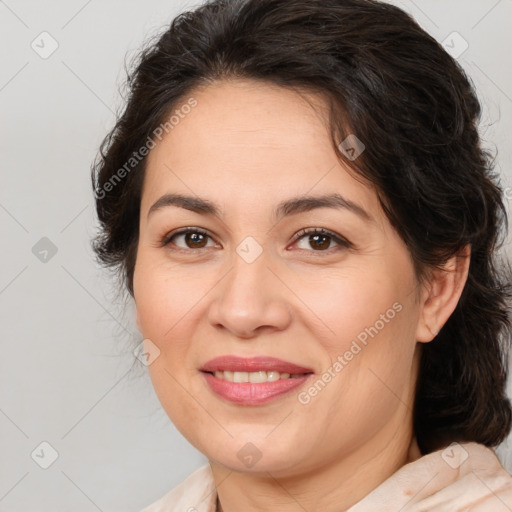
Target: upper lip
<point>252,364</point>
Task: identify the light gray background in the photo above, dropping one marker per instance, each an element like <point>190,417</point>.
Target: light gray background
<point>64,371</point>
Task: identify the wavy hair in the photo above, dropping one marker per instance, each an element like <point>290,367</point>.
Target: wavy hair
<point>393,85</point>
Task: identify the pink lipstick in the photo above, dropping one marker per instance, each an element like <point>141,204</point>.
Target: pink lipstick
<point>253,381</point>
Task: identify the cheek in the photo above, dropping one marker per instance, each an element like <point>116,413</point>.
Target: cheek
<point>165,307</point>
<point>357,304</point>
<point>162,295</point>
<point>170,305</point>
<point>369,344</point>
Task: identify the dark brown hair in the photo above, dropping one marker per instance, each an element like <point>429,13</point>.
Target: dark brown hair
<point>390,83</point>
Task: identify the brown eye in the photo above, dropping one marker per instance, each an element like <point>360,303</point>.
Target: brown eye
<point>192,238</point>
<point>195,240</point>
<point>320,239</point>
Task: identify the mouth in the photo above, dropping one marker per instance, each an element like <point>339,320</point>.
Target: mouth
<point>253,381</point>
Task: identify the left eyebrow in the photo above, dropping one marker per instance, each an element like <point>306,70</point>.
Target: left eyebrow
<point>308,203</point>
<point>288,207</point>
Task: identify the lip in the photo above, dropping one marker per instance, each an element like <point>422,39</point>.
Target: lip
<point>249,393</point>
<point>252,364</point>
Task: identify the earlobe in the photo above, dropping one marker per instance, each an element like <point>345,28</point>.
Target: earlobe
<point>441,293</point>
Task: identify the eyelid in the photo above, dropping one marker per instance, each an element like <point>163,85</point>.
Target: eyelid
<point>338,239</point>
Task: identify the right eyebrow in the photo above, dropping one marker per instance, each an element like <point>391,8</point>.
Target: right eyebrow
<point>194,204</point>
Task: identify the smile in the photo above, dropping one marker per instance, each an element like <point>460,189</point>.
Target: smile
<point>252,381</point>
<point>255,377</point>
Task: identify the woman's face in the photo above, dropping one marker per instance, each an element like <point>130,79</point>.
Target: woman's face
<point>337,310</point>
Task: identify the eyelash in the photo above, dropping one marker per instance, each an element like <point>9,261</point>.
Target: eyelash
<point>342,242</point>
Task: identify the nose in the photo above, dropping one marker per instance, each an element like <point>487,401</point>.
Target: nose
<point>250,300</point>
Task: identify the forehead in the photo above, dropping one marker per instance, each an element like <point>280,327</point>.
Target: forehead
<point>246,140</point>
<point>248,114</point>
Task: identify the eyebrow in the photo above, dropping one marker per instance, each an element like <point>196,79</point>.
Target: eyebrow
<point>288,207</point>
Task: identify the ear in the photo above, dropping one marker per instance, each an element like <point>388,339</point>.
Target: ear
<point>441,293</point>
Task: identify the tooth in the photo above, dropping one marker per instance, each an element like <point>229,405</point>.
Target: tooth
<point>254,377</point>
<point>258,377</point>
<point>272,376</point>
<point>240,377</point>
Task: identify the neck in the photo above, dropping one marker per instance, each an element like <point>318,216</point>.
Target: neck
<point>333,487</point>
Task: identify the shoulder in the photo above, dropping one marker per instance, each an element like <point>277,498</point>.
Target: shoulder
<point>196,493</point>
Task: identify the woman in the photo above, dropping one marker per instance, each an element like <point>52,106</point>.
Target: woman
<point>297,201</point>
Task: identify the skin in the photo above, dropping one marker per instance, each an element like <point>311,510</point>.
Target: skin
<point>246,147</point>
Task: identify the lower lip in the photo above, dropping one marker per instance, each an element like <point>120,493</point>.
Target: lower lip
<point>249,393</point>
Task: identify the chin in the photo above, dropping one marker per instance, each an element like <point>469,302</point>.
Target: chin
<point>246,453</point>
